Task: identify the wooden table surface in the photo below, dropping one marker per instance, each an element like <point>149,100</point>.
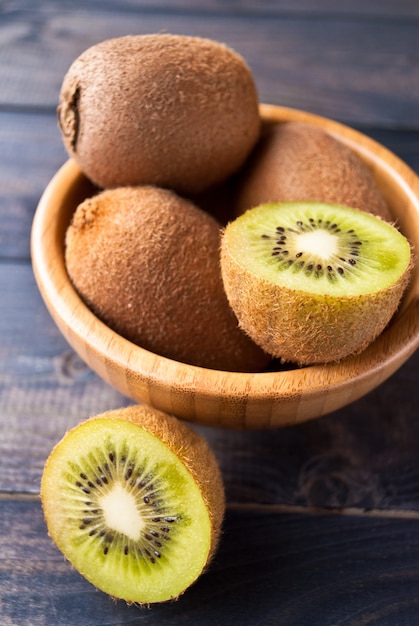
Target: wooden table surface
<point>322,524</point>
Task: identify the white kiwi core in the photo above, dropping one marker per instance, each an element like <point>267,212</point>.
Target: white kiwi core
<point>126,511</point>
<point>318,248</point>
<point>318,242</point>
<point>130,523</point>
<point>313,282</point>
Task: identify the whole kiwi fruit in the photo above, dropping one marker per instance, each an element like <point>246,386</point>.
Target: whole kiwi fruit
<point>298,161</point>
<point>134,499</point>
<point>146,262</point>
<point>169,110</point>
<point>313,282</point>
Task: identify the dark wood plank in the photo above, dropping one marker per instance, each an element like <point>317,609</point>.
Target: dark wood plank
<point>380,9</point>
<point>271,568</point>
<point>277,563</point>
<point>333,66</point>
<point>31,151</point>
<point>44,387</point>
<point>365,455</point>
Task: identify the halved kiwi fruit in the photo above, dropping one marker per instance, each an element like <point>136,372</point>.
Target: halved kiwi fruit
<point>313,282</point>
<point>135,501</point>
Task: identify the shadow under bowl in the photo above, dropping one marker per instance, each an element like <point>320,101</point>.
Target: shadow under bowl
<point>218,398</point>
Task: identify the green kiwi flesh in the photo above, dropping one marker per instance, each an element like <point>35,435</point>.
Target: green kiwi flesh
<point>134,499</point>
<point>313,282</point>
<point>146,262</point>
<point>170,110</point>
<point>296,161</point>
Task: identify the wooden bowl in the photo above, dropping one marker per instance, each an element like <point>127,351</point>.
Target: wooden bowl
<point>218,398</point>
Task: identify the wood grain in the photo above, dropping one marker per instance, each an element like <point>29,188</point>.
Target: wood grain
<point>383,8</point>
<point>229,399</point>
<point>31,151</point>
<point>321,65</point>
<point>353,61</point>
<point>271,568</point>
<point>364,455</point>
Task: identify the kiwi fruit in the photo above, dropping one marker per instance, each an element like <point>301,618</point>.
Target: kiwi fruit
<point>313,282</point>
<point>296,161</point>
<point>134,499</point>
<point>146,262</point>
<point>169,110</point>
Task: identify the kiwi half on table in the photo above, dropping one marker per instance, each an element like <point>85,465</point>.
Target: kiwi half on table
<point>313,282</point>
<point>135,501</point>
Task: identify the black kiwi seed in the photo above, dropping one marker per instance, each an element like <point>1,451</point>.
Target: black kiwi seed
<point>122,544</point>
<point>278,305</point>
<point>153,538</point>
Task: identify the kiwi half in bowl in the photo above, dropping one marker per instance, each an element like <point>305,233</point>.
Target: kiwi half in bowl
<point>267,399</point>
<point>134,499</point>
<point>313,282</point>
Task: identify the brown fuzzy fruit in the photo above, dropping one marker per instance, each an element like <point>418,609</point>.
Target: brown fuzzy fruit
<point>146,261</point>
<point>296,161</point>
<point>168,110</point>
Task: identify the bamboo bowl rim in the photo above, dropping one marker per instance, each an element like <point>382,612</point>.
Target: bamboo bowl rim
<point>213,397</point>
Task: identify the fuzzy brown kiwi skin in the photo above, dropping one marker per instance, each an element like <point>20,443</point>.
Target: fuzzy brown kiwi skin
<point>146,262</point>
<point>170,110</point>
<point>302,342</point>
<point>298,161</point>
